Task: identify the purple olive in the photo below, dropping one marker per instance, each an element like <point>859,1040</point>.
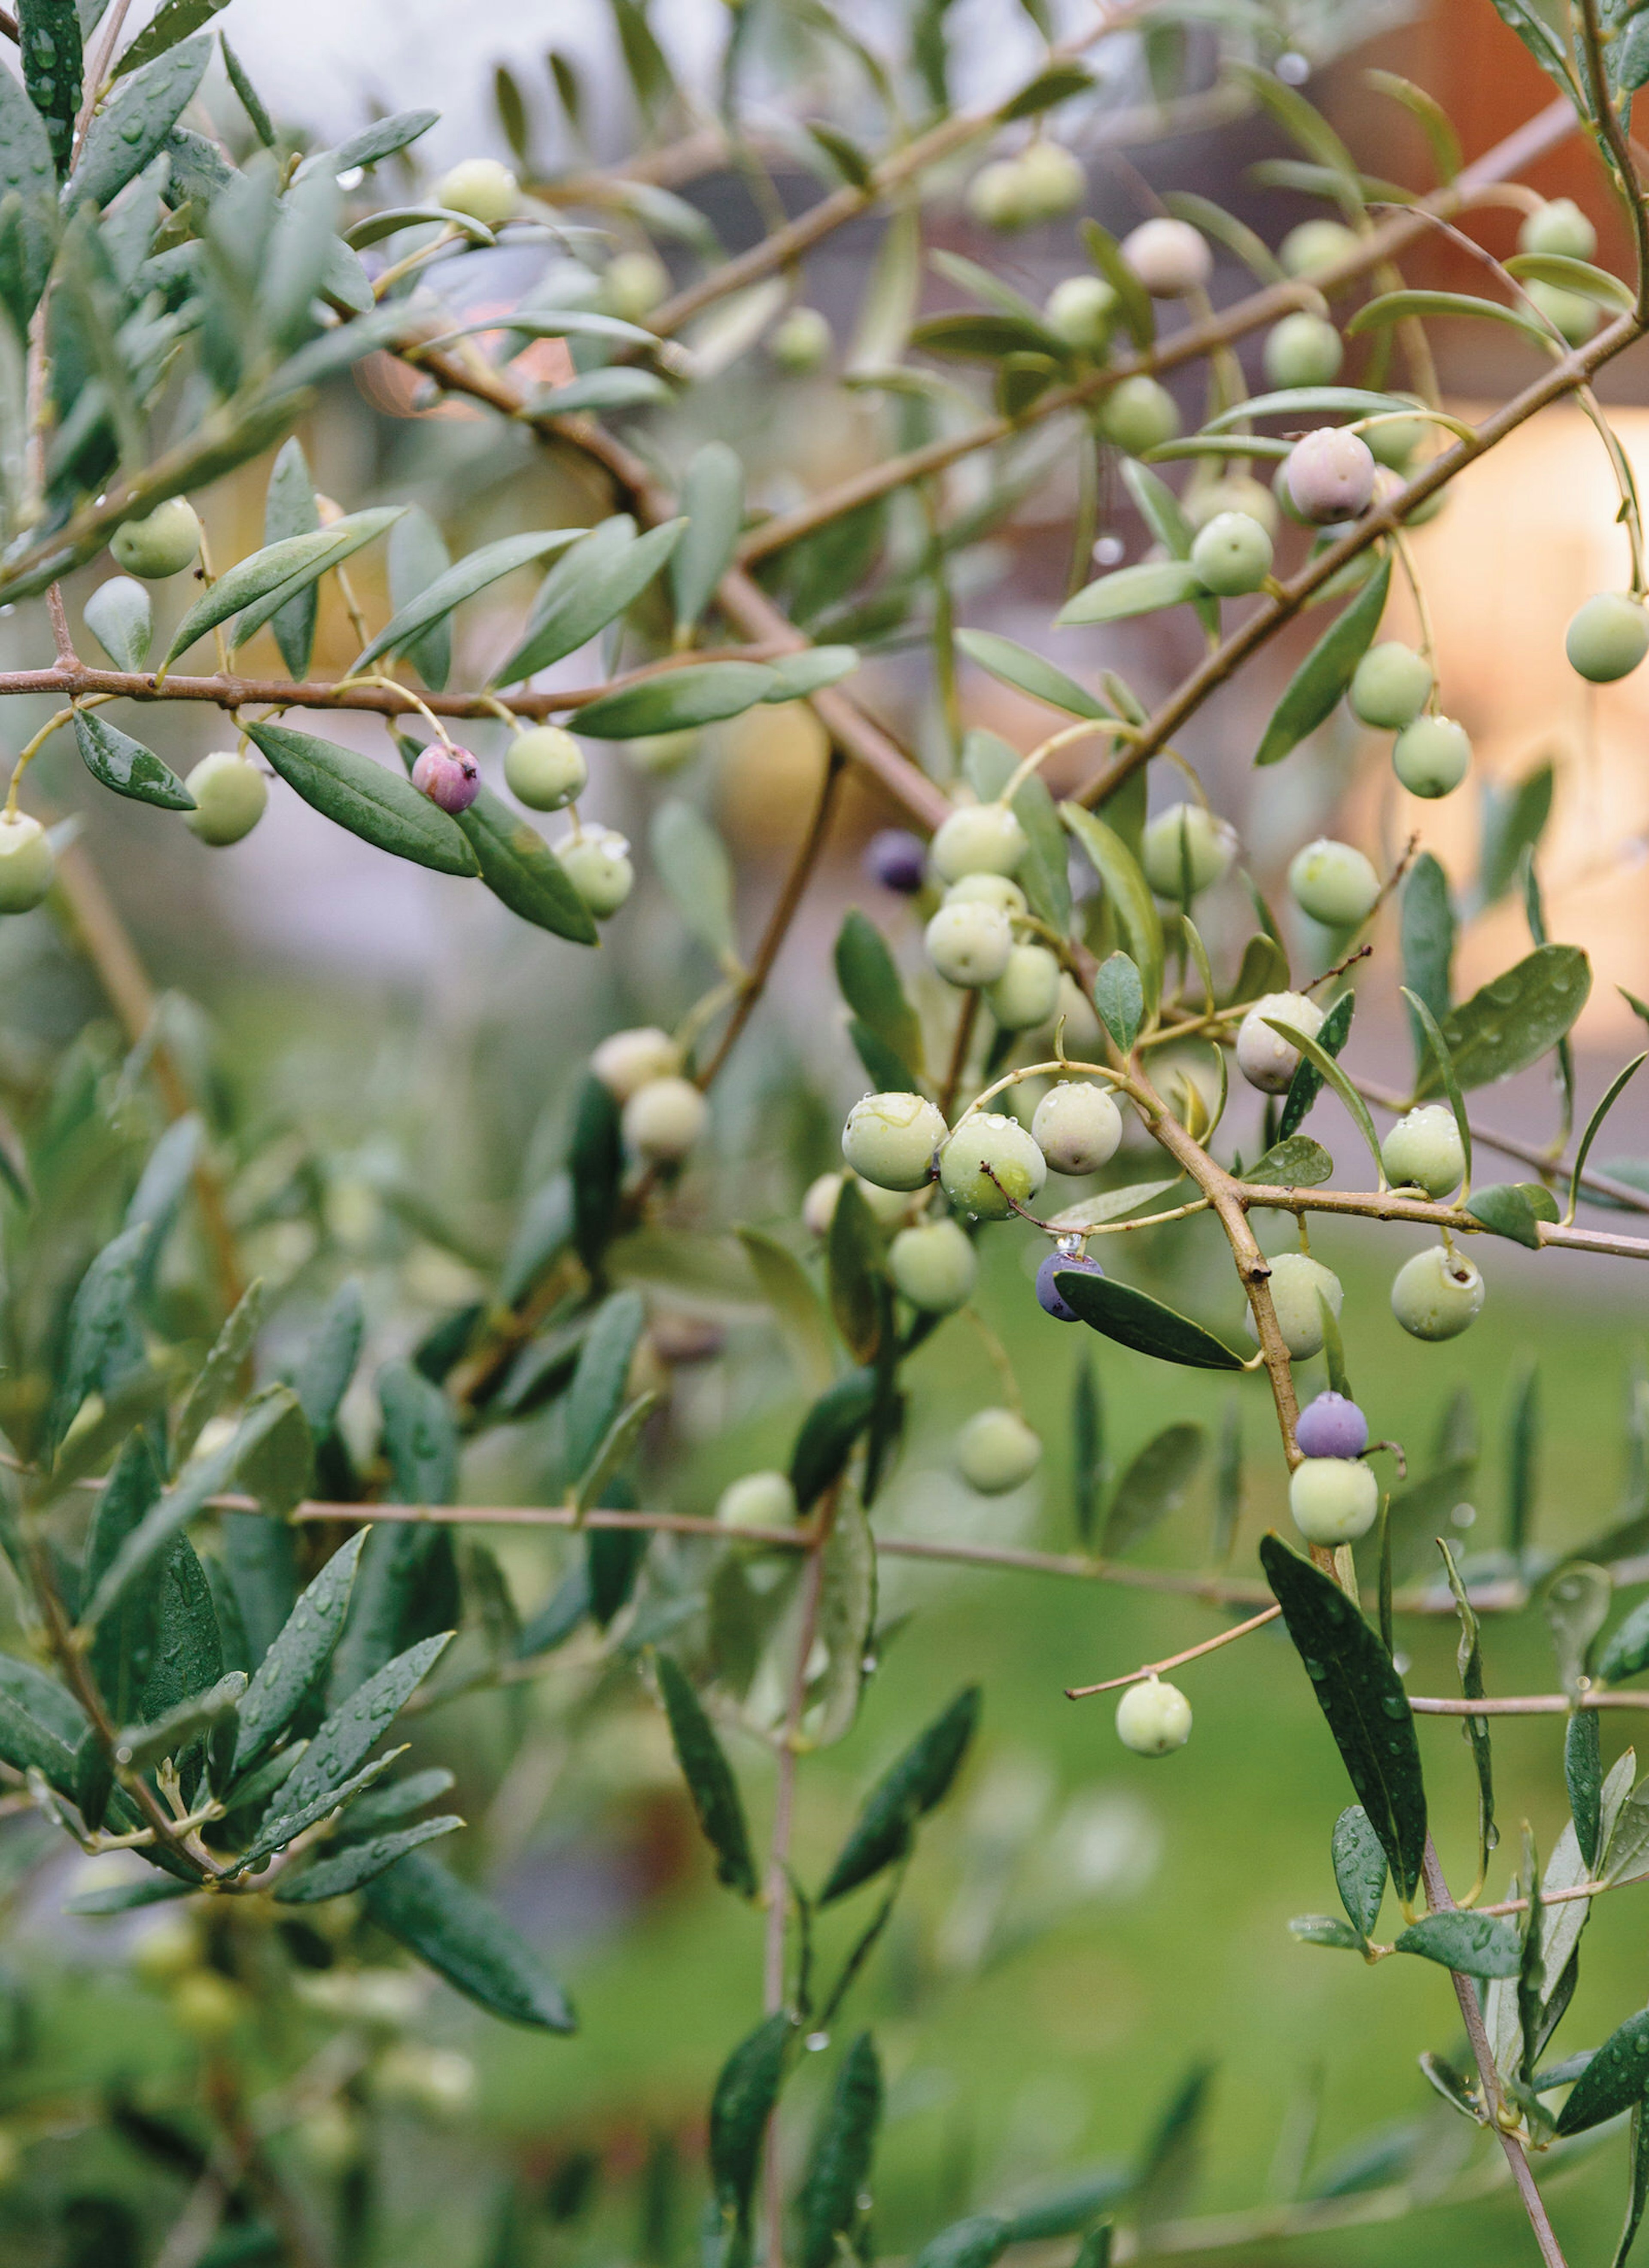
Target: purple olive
<point>1048,1291</point>
<point>897,859</point>
<point>1332,1426</point>
<point>448,775</point>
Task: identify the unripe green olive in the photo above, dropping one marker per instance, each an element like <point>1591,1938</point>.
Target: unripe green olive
<point>626,1061</point>
<point>633,285</point>
<point>1303,349</point>
<point>482,188</point>
<point>436,2081</point>
<point>164,544</point>
<point>1431,756</point>
<point>1570,314</point>
<point>1237,492</point>
<point>1052,181</point>
<point>26,863</point>
<point>1334,1499</point>
<point>987,890</point>
<point>206,2005</point>
<point>1298,1282</point>
<point>1608,638</point>
<point>1170,258</point>
<point>1333,883</point>
<point>1423,1151</point>
<point>996,1451</point>
<point>328,2137</point>
<point>1559,226</point>
<point>1153,1718</point>
<point>988,1159</point>
<point>168,1948</point>
<point>1232,555</point>
<point>934,1265</point>
<point>997,196</point>
<point>1316,245</point>
<point>663,1120</point>
<point>1187,838</point>
<point>544,767</point>
<point>596,862</point>
<point>1137,415</point>
<point>1437,1294</point>
<point>1264,1058</point>
<point>764,1499</point>
<point>1076,1126</point>
<point>1390,686</point>
<point>1081,309</point>
<point>890,1139</point>
<point>1027,992</point>
<point>818,1206</point>
<point>801,342</point>
<point>1331,473</point>
<point>969,944</point>
<point>230,798</point>
<point>976,838</point>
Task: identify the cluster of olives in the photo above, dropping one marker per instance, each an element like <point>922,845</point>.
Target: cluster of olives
<point>662,1115</point>
<point>1044,182</point>
<point>971,939</point>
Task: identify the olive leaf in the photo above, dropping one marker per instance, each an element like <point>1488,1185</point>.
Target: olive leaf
<point>912,1786</point>
<point>1017,665</point>
<point>257,587</point>
<point>1359,1868</point>
<point>1135,1319</point>
<point>465,1938</point>
<point>477,572</point>
<point>710,1779</point>
<point>1151,1486</point>
<point>1128,893</point>
<point>1327,669</point>
<point>522,872</point>
<point>1362,1697</point>
<point>588,587</point>
<point>1131,591</point>
<point>368,798</point>
<point>1511,1021</point>
<point>840,2170</point>
<point>1472,1944</point>
<point>871,986</point>
<point>702,693</point>
<point>118,762</point>
<point>1307,1082</point>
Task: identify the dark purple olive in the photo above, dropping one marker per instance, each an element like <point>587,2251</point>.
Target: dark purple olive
<point>448,776</point>
<point>1048,1291</point>
<point>1332,1426</point>
<point>897,859</point>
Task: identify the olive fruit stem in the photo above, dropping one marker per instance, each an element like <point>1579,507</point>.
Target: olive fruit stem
<point>1191,1652</point>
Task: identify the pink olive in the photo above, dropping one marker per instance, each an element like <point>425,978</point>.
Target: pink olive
<point>448,775</point>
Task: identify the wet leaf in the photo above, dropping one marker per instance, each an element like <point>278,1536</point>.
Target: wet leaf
<point>826,1437</point>
<point>1359,1868</point>
<point>465,1938</point>
<point>871,986</point>
<point>367,799</point>
<point>1512,1021</point>
<point>856,1275</point>
<point>840,2166</point>
<point>1362,1697</point>
<point>1152,1486</point>
<point>1299,1163</point>
<point>1307,1082</point>
<point>360,1863</point>
<point>1120,998</point>
<point>522,870</point>
<point>354,1727</point>
<point>1612,2082</point>
<point>747,2089</point>
<point>710,1779</point>
<point>1134,1319</point>
<point>1472,1944</point>
<point>291,1668</point>
<point>918,1781</point>
<point>1327,670</point>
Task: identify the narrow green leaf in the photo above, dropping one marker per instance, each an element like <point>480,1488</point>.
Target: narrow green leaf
<point>747,2089</point>
<point>290,1669</point>
<point>1617,1087</point>
<point>1307,1084</point>
<point>173,20</point>
<point>360,1863</point>
<point>119,614</point>
<point>1512,1020</point>
<point>1109,1205</point>
<point>276,574</point>
<point>1130,590</point>
<point>418,559</point>
<point>691,862</point>
<point>1301,402</point>
<point>522,870</point>
<point>1120,998</point>
<point>710,1779</point>
<point>1134,1319</point>
<point>1168,2162</point>
<point>826,1437</point>
<point>374,142</point>
<point>49,40</point>
<point>1638,2195</point>
<point>1359,1868</point>
<point>788,1289</point>
<point>1612,2082</point>
<point>1152,1486</point>
<point>1299,1163</point>
<point>1469,1662</point>
<point>392,1800</point>
<point>1327,670</point>
<point>1017,665</point>
<point>712,503</point>
<point>139,1747</point>
<point>1133,302</point>
<point>1504,1208</point>
<point>841,2165</point>
<point>597,1394</point>
<point>328,1363</point>
<point>847,1620</point>
<point>465,1938</point>
<point>220,1374</point>
<point>1088,1469</point>
<point>605,571</point>
<point>352,1729</point>
<point>1429,114</point>
<point>871,986</point>
<point>133,124</point>
<point>856,1274</point>
<point>367,799</point>
<point>1326,1929</point>
<point>102,1343</point>
<point>1443,1060</point>
<point>118,762</point>
<point>290,510</point>
<point>1578,275</point>
<point>476,572</point>
<point>1362,1697</point>
<point>702,693</point>
<point>1471,1944</point>
<point>1583,1776</point>
<point>1128,894</point>
<point>914,1785</point>
<point>1402,306</point>
<point>420,1435</point>
<point>1313,1051</point>
<point>979,2242</point>
<point>1575,1603</point>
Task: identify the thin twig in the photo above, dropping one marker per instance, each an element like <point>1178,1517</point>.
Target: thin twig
<point>1512,1146</point>
<point>1190,1654</point>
